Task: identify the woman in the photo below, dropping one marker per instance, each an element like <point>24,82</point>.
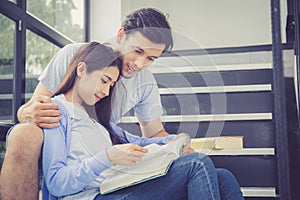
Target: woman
<point>80,149</point>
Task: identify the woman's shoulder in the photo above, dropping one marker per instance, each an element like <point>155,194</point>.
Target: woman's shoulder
<point>58,99</point>
<point>61,101</point>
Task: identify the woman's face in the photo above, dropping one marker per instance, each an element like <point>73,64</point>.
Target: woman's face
<point>96,85</point>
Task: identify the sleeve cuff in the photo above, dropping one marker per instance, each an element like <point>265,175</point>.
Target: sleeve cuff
<point>101,162</point>
<point>167,138</point>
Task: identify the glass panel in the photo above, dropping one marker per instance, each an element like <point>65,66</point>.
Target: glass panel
<point>66,16</point>
<point>6,68</point>
<point>212,24</point>
<point>38,54</point>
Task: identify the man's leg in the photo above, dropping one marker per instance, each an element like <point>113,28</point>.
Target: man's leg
<point>19,174</point>
<point>228,185</point>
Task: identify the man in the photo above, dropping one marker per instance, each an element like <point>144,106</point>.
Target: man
<point>143,36</point>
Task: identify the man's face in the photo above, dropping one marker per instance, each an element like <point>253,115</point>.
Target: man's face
<point>138,52</point>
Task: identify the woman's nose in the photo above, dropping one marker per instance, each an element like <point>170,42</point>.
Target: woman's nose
<point>105,90</point>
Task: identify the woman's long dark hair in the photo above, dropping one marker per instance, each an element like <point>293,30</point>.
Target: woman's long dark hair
<point>96,57</point>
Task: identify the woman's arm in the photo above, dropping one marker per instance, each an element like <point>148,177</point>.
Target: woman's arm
<point>142,141</point>
<point>60,178</point>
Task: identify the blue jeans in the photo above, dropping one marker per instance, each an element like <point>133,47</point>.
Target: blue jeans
<point>228,185</point>
<point>192,176</point>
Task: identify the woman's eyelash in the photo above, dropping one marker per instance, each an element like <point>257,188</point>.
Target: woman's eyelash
<point>138,51</point>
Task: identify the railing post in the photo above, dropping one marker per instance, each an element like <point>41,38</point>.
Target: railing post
<point>279,113</point>
<point>19,65</point>
<point>297,51</point>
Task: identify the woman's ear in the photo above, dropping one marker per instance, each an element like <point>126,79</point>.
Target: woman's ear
<point>120,35</point>
<point>81,69</point>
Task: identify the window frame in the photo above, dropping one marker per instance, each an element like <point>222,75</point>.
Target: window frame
<point>23,21</point>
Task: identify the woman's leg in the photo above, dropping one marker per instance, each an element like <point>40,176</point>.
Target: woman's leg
<point>192,175</point>
<point>228,185</point>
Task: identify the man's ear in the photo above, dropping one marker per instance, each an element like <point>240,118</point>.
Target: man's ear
<point>120,35</point>
<point>81,69</point>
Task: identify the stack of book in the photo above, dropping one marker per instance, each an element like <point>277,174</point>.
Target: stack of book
<point>221,142</point>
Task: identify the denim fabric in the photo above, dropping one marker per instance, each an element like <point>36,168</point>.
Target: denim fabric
<point>192,175</point>
<point>228,185</point>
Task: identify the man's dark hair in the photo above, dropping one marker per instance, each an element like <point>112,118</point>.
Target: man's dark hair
<point>152,24</point>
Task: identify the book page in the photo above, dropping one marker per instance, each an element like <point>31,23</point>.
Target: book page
<point>175,146</point>
<point>155,163</point>
<point>157,152</point>
<point>121,179</point>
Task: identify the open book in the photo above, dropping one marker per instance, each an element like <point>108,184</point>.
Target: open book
<point>154,164</point>
<point>221,142</point>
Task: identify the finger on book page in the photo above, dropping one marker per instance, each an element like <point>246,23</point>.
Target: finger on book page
<point>138,154</point>
<point>140,149</point>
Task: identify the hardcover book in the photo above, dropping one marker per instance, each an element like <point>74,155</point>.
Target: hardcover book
<point>154,164</point>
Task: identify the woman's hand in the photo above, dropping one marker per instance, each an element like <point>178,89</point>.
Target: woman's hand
<point>187,144</point>
<point>125,154</point>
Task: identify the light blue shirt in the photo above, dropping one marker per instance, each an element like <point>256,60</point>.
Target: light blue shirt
<point>74,154</point>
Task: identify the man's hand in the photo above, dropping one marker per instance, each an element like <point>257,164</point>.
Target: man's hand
<point>42,112</point>
<point>125,154</point>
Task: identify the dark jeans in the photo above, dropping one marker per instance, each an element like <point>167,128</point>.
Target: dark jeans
<point>192,177</point>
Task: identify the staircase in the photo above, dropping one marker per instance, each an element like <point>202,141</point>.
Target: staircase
<point>223,94</point>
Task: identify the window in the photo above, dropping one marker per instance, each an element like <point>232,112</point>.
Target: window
<point>6,68</point>
<point>67,16</point>
<point>66,21</point>
<point>38,54</point>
